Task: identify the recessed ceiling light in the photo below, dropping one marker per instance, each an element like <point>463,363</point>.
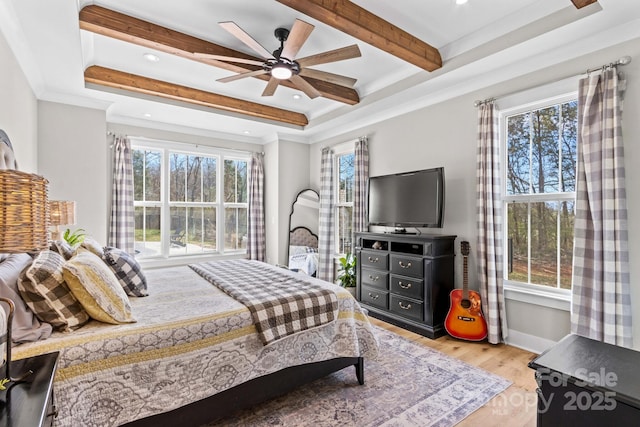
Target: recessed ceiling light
<point>147,114</point>
<point>461,1</point>
<point>296,96</point>
<point>151,57</point>
<point>246,132</point>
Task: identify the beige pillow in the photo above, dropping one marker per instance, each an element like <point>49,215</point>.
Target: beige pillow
<point>96,287</point>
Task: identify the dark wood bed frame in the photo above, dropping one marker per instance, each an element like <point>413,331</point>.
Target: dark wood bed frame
<point>249,394</point>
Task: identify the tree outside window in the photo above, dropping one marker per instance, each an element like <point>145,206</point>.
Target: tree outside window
<point>540,194</point>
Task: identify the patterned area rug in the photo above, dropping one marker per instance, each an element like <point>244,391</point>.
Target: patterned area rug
<point>409,385</point>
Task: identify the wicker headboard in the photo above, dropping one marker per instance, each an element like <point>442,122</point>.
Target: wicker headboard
<point>302,236</point>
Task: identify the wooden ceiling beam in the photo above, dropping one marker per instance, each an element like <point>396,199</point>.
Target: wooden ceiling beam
<point>351,19</point>
<point>579,4</point>
<point>143,85</point>
<point>123,27</point>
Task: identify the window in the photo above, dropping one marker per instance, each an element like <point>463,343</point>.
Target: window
<point>539,193</point>
<point>178,205</point>
<point>345,182</point>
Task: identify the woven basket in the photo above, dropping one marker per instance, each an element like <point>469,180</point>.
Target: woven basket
<point>24,212</point>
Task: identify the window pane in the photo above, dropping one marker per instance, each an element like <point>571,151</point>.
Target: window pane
<point>517,217</point>
<point>345,227</point>
<point>346,174</point>
<point>209,179</point>
<point>138,174</point>
<point>152,176</point>
<point>569,147</point>
<point>147,231</point>
<point>544,243</point>
<point>178,230</point>
<point>194,183</point>
<point>235,181</point>
<point>567,221</point>
<point>235,222</point>
<point>518,129</point>
<point>177,176</point>
<point>544,150</point>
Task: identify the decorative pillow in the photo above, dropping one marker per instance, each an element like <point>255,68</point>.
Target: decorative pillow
<point>26,327</point>
<point>92,245</point>
<point>97,288</point>
<point>127,271</point>
<point>297,250</point>
<point>63,248</point>
<point>44,290</point>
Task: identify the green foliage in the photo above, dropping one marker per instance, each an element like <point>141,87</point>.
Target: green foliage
<point>347,271</point>
<point>75,237</point>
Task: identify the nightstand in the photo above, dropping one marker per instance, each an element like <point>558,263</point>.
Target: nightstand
<point>583,382</point>
<point>30,403</point>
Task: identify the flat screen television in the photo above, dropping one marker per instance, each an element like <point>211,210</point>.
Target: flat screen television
<point>411,199</point>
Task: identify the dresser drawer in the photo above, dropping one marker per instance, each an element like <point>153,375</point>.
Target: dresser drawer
<point>374,297</point>
<point>404,286</point>
<point>374,259</point>
<point>406,307</point>
<point>406,266</point>
<point>375,278</point>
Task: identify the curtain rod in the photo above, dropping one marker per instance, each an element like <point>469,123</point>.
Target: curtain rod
<point>621,61</point>
<point>193,144</point>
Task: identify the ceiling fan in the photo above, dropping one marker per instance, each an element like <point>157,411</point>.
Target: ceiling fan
<point>282,65</point>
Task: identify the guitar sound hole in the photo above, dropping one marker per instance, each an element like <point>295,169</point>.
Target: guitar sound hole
<point>465,303</point>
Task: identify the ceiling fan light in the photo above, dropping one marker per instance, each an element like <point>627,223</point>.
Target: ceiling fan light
<point>281,72</point>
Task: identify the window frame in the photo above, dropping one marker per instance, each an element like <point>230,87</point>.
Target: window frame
<point>221,155</point>
<point>523,291</point>
<point>346,148</point>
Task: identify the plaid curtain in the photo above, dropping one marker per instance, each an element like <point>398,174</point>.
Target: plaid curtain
<point>122,221</point>
<point>256,246</point>
<point>489,221</point>
<point>326,248</point>
<point>361,158</point>
<point>601,303</point>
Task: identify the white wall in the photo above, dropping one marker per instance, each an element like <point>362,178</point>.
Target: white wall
<point>72,155</point>
<point>445,135</point>
<point>287,173</point>
<point>18,110</point>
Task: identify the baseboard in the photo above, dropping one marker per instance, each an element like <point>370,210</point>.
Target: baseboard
<point>528,342</point>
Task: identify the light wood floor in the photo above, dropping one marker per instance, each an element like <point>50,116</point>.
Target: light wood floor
<point>516,406</point>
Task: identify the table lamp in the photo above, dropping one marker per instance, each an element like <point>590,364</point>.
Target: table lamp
<point>62,212</point>
<point>24,227</point>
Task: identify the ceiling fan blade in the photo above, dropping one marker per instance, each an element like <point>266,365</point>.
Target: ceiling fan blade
<point>227,58</point>
<point>241,76</point>
<point>328,77</point>
<point>245,38</point>
<point>304,86</point>
<point>330,56</point>
<point>271,87</point>
<point>298,35</point>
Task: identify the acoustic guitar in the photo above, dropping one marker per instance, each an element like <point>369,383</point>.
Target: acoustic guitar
<point>465,319</point>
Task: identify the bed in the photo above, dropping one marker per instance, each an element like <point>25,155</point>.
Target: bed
<point>193,356</point>
<point>303,251</point>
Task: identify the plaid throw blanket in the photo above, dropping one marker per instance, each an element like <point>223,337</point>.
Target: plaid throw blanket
<point>280,304</point>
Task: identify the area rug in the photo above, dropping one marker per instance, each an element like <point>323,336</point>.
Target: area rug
<point>408,385</point>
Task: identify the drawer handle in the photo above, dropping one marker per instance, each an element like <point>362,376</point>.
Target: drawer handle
<point>373,296</point>
<point>372,259</point>
<point>404,307</point>
<point>375,279</point>
<point>404,286</point>
<point>403,265</point>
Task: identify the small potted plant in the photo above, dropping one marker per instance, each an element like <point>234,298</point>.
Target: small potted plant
<point>347,273</point>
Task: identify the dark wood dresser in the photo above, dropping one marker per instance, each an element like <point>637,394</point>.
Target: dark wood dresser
<point>583,382</point>
<point>406,279</point>
<point>30,403</point>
